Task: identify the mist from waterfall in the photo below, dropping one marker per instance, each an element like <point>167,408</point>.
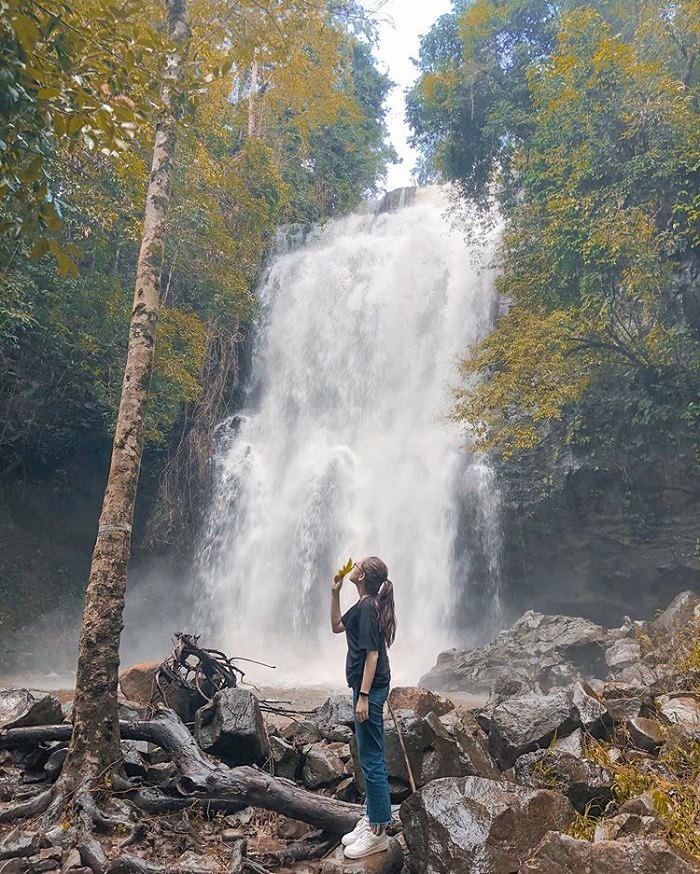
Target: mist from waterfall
<point>343,448</point>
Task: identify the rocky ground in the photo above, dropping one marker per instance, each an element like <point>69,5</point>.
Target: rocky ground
<point>585,756</point>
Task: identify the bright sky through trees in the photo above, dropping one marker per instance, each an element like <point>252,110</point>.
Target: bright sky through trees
<point>399,42</point>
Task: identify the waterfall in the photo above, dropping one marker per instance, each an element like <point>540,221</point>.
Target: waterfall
<point>343,448</point>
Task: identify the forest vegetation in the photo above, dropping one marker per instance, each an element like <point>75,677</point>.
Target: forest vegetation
<point>579,123</point>
<point>281,122</point>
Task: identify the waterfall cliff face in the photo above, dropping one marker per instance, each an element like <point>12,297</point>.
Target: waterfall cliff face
<point>344,449</point>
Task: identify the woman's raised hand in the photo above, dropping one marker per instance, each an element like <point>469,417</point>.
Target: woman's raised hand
<point>337,583</point>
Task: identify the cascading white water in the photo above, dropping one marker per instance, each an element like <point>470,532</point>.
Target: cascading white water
<point>344,448</point>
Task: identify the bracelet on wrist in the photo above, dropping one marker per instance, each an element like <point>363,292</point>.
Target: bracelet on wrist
<point>364,694</point>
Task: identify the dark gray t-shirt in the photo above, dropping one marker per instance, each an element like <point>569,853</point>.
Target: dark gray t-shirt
<point>362,633</point>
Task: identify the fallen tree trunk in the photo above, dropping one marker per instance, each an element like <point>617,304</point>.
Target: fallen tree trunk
<point>201,779</point>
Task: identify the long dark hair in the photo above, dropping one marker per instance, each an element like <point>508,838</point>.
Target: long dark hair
<point>380,588</point>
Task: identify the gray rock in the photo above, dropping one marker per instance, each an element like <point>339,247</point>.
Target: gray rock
<point>285,757</point>
<point>574,744</point>
<point>473,745</point>
<point>587,786</point>
<point>322,767</point>
<point>334,719</point>
<point>477,826</point>
<point>231,727</point>
<point>680,707</point>
<point>592,712</point>
<point>646,734</point>
<point>684,608</point>
<point>623,654</point>
<point>529,722</point>
<point>15,866</point>
<point>19,843</point>
<point>561,854</point>
<point>390,862</point>
<point>23,707</point>
<point>626,825</point>
<point>547,650</point>
<point>623,709</point>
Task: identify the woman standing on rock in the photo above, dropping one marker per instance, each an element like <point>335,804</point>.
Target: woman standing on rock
<point>370,628</point>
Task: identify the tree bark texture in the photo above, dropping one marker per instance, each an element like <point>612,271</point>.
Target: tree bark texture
<point>95,741</point>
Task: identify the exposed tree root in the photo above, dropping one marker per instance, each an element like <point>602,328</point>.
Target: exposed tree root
<point>200,779</point>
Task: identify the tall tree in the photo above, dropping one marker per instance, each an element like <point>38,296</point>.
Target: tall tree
<point>94,746</point>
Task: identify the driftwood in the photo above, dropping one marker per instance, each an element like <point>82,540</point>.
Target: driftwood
<point>199,778</point>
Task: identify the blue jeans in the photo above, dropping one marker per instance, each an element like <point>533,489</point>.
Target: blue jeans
<point>370,749</point>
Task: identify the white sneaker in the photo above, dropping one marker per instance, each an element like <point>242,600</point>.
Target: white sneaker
<point>367,844</point>
<point>352,836</point>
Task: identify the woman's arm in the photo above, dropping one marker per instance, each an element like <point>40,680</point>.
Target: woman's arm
<point>362,709</point>
<point>336,615</point>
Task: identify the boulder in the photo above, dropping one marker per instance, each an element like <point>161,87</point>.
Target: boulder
<point>285,757</point>
<point>390,862</point>
<point>24,707</point>
<point>645,734</point>
<point>623,654</point>
<point>684,608</point>
<point>561,854</point>
<point>478,826</point>
<point>420,701</point>
<point>574,744</point>
<point>138,684</point>
<point>334,720</point>
<point>529,722</point>
<point>538,649</point>
<point>587,786</point>
<point>231,727</point>
<point>322,767</point>
<point>680,707</point>
<point>473,745</point>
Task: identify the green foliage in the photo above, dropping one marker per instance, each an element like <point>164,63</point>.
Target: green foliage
<point>583,120</point>
<point>79,103</point>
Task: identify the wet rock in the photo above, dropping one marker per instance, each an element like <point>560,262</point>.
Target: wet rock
<point>285,757</point>
<point>420,701</point>
<point>473,745</point>
<point>585,784</point>
<point>334,719</point>
<point>561,854</point>
<point>477,826</point>
<point>138,684</point>
<point>680,707</point>
<point>545,650</point>
<point>322,767</point>
<point>390,862</point>
<point>161,773</point>
<point>529,722</point>
<point>231,727</point>
<point>23,707</point>
<point>646,734</point>
<point>626,825</point>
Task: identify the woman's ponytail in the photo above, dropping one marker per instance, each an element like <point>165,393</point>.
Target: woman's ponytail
<point>387,616</point>
<point>380,587</point>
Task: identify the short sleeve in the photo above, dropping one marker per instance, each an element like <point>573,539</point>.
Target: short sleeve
<point>369,637</point>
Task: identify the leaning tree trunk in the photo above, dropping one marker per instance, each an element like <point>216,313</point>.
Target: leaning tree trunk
<point>94,744</point>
